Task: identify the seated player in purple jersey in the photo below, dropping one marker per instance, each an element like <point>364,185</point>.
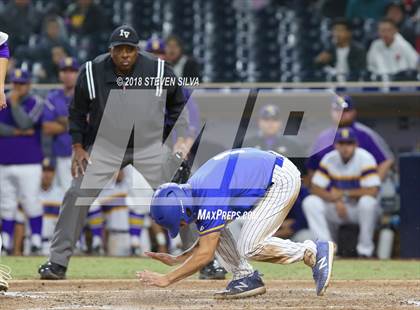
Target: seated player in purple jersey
<point>367,138</point>
<point>344,190</point>
<point>56,120</point>
<point>4,56</point>
<point>259,186</point>
<point>20,159</point>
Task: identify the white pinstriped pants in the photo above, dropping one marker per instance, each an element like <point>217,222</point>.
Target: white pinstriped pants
<point>256,241</point>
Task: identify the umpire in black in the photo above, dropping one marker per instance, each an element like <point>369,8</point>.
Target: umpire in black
<point>114,77</point>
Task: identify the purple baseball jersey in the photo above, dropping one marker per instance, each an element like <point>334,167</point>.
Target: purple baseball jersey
<point>58,106</point>
<point>19,150</point>
<point>367,139</point>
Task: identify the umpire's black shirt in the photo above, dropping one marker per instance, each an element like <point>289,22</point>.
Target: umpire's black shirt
<point>98,77</point>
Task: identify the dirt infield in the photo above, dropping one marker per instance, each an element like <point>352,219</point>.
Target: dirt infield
<point>195,294</point>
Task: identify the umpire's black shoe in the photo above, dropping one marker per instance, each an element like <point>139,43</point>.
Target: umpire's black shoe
<point>52,271</point>
<point>212,272</point>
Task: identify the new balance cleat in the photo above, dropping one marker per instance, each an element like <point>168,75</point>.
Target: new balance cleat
<point>323,267</point>
<point>249,286</point>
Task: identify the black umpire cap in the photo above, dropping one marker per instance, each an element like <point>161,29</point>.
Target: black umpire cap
<point>124,35</point>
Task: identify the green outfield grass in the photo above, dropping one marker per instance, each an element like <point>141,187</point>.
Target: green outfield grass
<point>125,268</point>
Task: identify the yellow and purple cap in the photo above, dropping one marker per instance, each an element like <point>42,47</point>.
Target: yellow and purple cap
<point>345,134</point>
<point>20,76</point>
<point>155,46</point>
<point>270,111</point>
<point>69,63</point>
<point>343,102</point>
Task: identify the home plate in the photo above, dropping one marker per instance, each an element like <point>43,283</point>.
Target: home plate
<point>24,295</point>
<point>413,302</point>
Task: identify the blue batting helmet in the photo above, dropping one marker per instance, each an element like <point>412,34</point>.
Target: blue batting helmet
<point>171,203</point>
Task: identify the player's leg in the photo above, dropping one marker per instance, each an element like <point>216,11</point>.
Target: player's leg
<point>20,236</point>
<point>368,211</point>
<point>95,220</point>
<point>8,205</point>
<point>256,240</point>
<point>5,272</point>
<point>229,257</point>
<point>29,185</point>
<point>246,282</point>
<point>49,220</point>
<point>63,176</point>
<point>136,224</point>
<point>316,211</point>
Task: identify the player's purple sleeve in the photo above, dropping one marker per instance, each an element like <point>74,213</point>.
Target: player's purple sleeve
<point>49,114</point>
<point>372,142</point>
<point>57,106</point>
<point>376,152</point>
<point>4,51</point>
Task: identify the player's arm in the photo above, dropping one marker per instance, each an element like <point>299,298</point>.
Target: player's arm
<point>4,58</point>
<point>201,255</point>
<point>55,118</point>
<point>381,152</point>
<point>26,120</point>
<point>363,191</point>
<point>332,195</point>
<point>172,260</point>
<point>7,130</point>
<point>320,182</point>
<point>53,128</point>
<point>57,127</point>
<point>384,167</point>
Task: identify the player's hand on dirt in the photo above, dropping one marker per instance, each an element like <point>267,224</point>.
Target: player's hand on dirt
<point>153,278</point>
<point>165,258</point>
<point>341,209</point>
<point>79,161</point>
<point>3,104</point>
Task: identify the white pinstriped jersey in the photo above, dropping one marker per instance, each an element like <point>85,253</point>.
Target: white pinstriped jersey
<point>359,171</point>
